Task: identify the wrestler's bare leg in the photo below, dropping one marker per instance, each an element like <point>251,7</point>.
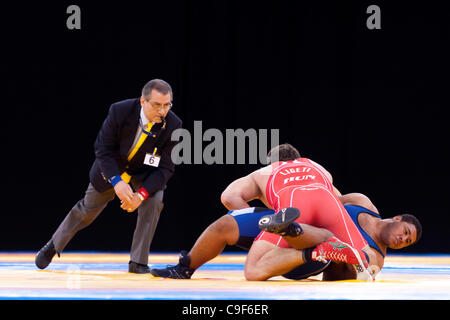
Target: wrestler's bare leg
<point>213,240</point>
<point>310,237</point>
<point>266,260</point>
<point>263,261</point>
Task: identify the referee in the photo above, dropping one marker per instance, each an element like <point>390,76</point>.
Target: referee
<point>133,162</point>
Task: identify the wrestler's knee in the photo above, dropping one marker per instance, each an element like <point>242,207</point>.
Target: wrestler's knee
<point>251,273</point>
<point>255,268</point>
<point>226,228</point>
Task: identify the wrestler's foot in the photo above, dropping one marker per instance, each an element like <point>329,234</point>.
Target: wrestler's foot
<point>282,222</point>
<point>335,250</point>
<point>180,271</point>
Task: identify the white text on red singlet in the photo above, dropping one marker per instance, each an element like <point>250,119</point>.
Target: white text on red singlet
<point>298,177</point>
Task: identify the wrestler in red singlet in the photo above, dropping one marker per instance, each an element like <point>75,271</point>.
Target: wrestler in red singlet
<point>301,184</point>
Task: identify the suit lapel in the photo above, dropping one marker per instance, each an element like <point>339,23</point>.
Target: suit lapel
<point>131,126</point>
<point>151,140</point>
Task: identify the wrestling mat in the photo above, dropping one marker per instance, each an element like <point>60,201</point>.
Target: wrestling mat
<point>104,276</point>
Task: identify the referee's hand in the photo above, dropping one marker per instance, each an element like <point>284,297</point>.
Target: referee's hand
<point>123,191</point>
<point>132,205</point>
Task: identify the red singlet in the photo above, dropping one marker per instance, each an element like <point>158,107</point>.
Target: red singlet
<point>301,184</point>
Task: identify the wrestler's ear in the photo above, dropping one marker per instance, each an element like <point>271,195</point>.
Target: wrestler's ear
<point>397,218</point>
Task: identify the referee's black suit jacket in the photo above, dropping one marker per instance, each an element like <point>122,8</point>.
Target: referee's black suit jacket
<point>115,139</point>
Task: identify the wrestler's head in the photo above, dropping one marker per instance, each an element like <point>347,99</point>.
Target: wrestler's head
<point>282,152</point>
<point>401,231</point>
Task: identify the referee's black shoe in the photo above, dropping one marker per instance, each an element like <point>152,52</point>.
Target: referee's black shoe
<point>282,222</point>
<point>134,267</point>
<point>180,271</point>
<point>45,255</point>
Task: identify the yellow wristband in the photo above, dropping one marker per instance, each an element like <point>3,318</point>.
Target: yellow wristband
<point>125,177</point>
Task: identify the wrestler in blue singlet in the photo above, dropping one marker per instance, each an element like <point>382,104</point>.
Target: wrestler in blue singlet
<point>354,212</point>
<point>247,220</point>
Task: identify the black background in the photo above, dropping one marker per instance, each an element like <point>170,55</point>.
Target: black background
<point>369,105</point>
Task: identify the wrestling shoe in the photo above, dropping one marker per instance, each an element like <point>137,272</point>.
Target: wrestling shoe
<point>335,250</point>
<point>282,222</point>
<point>180,271</point>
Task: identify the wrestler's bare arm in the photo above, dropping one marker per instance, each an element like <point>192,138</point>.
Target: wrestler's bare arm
<point>239,192</point>
<point>358,199</point>
<point>245,189</point>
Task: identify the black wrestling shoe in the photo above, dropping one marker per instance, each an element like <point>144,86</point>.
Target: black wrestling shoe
<point>180,271</point>
<point>45,255</point>
<point>134,267</point>
<point>282,222</point>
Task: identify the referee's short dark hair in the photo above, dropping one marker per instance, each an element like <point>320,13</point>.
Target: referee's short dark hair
<point>159,85</point>
<point>282,152</point>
